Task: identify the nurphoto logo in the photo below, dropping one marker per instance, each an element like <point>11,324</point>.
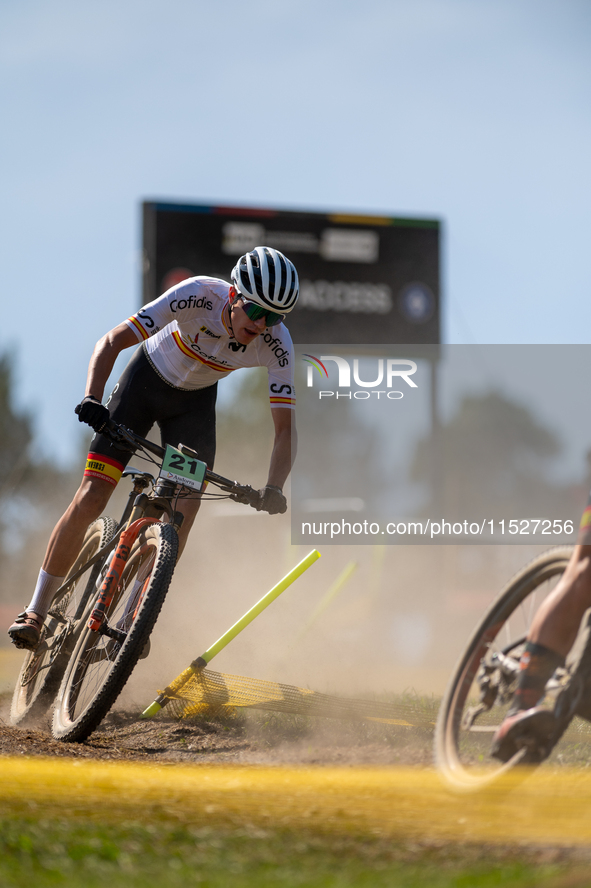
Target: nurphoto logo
<point>388,370</point>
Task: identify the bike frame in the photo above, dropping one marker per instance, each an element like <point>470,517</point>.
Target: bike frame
<point>111,581</point>
<point>134,520</point>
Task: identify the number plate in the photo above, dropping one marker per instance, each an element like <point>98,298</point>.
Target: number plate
<point>183,469</point>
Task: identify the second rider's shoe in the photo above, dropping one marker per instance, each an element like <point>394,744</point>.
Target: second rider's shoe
<point>26,631</point>
<point>532,729</point>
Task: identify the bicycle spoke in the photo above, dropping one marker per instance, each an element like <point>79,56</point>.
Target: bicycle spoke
<point>101,664</point>
<point>481,690</point>
<point>43,668</point>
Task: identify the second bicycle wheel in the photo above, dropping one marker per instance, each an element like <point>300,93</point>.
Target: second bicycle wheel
<point>480,691</point>
<point>43,668</point>
<point>100,665</point>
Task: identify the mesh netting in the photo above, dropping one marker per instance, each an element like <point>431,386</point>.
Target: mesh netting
<point>213,693</point>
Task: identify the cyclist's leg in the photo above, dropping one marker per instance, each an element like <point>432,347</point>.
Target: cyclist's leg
<point>557,622</point>
<point>129,405</point>
<point>551,636</point>
<point>195,427</point>
<point>64,544</point>
<point>554,629</point>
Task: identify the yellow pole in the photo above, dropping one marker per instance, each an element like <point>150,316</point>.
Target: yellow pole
<point>202,661</point>
<point>342,579</point>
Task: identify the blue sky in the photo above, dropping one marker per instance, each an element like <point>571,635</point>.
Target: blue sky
<point>474,111</point>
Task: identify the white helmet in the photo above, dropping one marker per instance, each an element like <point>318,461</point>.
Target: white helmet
<point>267,277</point>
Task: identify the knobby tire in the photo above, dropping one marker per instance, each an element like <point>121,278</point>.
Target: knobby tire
<point>462,755</point>
<point>100,666</point>
<point>43,668</point>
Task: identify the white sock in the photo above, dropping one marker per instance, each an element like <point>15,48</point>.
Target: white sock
<point>44,592</point>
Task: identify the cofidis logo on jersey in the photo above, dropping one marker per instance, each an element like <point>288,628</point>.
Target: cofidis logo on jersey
<point>388,372</point>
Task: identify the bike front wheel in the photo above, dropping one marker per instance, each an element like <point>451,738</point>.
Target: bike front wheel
<point>481,688</point>
<point>43,668</point>
<point>100,665</point>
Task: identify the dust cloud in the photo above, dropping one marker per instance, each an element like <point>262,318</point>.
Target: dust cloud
<point>398,623</point>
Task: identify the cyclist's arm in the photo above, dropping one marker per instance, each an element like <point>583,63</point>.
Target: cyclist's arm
<point>284,446</point>
<point>104,356</point>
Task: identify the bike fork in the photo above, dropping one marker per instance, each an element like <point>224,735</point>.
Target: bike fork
<point>113,578</point>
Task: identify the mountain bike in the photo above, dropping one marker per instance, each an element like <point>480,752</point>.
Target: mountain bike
<point>482,685</point>
<point>101,618</point>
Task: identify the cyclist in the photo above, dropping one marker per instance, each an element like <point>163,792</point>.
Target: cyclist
<point>551,636</point>
<point>194,334</point>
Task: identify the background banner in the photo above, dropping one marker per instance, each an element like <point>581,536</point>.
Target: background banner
<point>363,278</point>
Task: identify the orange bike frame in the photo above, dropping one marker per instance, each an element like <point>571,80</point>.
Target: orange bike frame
<point>113,578</point>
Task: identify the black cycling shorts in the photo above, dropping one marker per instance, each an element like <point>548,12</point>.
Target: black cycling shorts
<point>141,398</point>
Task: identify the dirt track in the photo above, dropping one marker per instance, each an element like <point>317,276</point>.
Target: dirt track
<point>262,738</point>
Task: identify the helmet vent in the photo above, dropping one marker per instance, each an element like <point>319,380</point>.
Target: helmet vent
<point>268,278</point>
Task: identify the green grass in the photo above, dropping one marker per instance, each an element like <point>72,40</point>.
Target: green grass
<point>60,852</point>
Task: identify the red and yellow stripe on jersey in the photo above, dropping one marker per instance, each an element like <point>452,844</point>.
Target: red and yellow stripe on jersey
<point>191,354</point>
<point>223,319</point>
<point>276,400</point>
<point>137,326</point>
<point>99,466</point>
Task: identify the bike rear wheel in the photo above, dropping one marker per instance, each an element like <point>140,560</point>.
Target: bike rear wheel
<point>43,668</point>
<point>481,688</point>
<point>100,665</point>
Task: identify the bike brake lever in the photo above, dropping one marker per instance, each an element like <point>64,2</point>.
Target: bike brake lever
<point>246,495</point>
<point>120,436</point>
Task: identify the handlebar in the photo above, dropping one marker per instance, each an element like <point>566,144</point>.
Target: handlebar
<point>125,439</point>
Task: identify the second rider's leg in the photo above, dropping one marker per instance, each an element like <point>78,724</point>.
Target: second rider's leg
<point>557,621</point>
<point>554,629</point>
<point>551,636</point>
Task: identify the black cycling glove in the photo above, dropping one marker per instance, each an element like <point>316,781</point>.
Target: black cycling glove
<point>92,412</point>
<point>272,500</point>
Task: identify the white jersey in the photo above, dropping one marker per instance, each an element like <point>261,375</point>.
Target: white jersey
<point>191,347</point>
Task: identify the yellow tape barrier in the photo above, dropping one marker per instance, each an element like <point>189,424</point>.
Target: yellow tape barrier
<point>549,807</point>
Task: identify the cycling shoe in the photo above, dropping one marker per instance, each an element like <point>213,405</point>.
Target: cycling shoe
<point>25,632</point>
<point>533,730</point>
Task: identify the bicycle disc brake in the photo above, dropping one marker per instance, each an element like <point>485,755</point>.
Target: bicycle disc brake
<point>496,680</point>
